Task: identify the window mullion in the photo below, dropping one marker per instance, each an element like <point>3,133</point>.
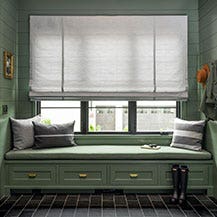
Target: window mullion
<point>84,117</point>
<point>132,117</point>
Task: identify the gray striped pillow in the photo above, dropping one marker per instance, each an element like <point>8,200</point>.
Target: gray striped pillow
<point>54,135</point>
<point>188,134</point>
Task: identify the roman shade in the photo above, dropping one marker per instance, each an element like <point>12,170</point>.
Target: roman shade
<point>94,57</point>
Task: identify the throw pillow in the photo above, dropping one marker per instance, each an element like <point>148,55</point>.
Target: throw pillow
<point>188,134</point>
<point>53,135</point>
<point>22,132</point>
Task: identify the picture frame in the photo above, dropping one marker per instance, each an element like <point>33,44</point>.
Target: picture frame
<point>8,65</point>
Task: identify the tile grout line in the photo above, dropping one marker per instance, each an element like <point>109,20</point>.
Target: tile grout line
<point>152,205</point>
<point>101,199</point>
<point>165,205</point>
<point>113,199</point>
<point>25,206</point>
<point>51,205</point>
<point>140,205</point>
<point>211,201</point>
<point>204,205</point>
<point>4,201</point>
<point>76,206</point>
<point>127,205</point>
<point>88,209</point>
<point>61,213</point>
<point>37,206</point>
<point>193,208</point>
<point>13,205</point>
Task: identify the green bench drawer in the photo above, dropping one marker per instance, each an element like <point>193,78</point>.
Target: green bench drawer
<point>82,175</point>
<point>198,175</point>
<point>31,175</point>
<point>138,175</point>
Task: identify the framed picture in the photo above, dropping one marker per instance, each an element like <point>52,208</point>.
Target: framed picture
<point>8,65</point>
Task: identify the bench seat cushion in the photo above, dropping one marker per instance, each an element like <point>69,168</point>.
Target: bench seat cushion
<point>107,152</point>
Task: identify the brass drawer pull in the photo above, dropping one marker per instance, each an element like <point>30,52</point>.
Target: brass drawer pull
<point>32,175</point>
<point>133,175</point>
<point>82,175</point>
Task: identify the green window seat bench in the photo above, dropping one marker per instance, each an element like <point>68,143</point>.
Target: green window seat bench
<point>90,167</point>
<point>107,152</point>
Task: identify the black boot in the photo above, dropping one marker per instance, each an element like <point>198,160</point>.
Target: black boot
<point>183,184</point>
<point>176,181</point>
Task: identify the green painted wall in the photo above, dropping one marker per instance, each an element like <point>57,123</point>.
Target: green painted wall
<point>208,30</point>
<point>70,7</point>
<point>8,88</point>
<point>207,34</point>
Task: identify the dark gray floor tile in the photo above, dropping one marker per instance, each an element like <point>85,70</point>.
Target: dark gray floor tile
<point>107,196</point>
<point>96,201</point>
<point>188,210</point>
<point>84,197</point>
<point>83,204</point>
<point>209,204</point>
<point>108,204</point>
<point>26,213</point>
<point>155,197</point>
<point>95,212</point>
<point>61,197</point>
<point>214,213</point>
<point>56,208</point>
<point>120,201</point>
<point>2,200</point>
<point>67,212</point>
<point>202,211</point>
<point>201,197</point>
<point>149,212</point>
<point>131,197</point>
<point>122,212</point>
<point>81,212</point>
<point>71,201</point>
<point>37,197</point>
<point>160,208</point>
<point>135,212</point>
<point>133,204</point>
<point>18,206</point>
<point>108,212</point>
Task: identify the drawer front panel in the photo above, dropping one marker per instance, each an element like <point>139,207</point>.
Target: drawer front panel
<point>198,175</point>
<point>33,175</point>
<point>137,174</point>
<point>82,175</point>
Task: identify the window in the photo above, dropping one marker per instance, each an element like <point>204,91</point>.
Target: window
<point>108,116</point>
<point>155,115</point>
<point>57,112</point>
<point>112,116</point>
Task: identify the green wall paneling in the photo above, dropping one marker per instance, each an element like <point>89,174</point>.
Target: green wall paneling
<point>8,88</point>
<point>122,139</point>
<point>208,30</point>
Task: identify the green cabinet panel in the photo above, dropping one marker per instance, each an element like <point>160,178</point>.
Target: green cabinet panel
<point>198,175</point>
<point>82,175</point>
<point>31,175</point>
<point>137,174</point>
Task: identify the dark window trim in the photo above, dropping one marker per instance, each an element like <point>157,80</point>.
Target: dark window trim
<point>132,119</point>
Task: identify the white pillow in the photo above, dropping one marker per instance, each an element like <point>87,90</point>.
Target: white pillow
<point>188,134</point>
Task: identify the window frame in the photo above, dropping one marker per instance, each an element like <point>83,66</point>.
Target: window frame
<point>132,120</point>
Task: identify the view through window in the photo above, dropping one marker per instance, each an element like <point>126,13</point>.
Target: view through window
<point>112,116</point>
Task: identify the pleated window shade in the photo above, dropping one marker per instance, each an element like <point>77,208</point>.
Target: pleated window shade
<point>108,57</point>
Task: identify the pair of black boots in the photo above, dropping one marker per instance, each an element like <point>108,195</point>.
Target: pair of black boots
<point>180,182</point>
